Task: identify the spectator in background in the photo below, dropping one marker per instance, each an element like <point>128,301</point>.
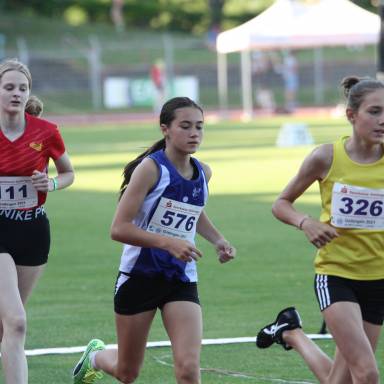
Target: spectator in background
<point>262,64</point>
<point>158,77</point>
<point>212,34</point>
<point>117,15</point>
<point>290,73</point>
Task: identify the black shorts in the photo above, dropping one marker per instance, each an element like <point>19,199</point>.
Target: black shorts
<point>25,235</point>
<point>136,294</point>
<point>369,294</point>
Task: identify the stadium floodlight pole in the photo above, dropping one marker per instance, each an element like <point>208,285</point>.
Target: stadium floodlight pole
<point>380,48</point>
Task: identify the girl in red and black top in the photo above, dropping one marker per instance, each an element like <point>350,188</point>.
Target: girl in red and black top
<point>26,145</point>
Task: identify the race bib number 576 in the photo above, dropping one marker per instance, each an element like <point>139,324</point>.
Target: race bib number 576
<point>357,207</point>
<point>175,219</point>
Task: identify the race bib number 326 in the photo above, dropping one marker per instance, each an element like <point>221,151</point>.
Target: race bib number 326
<point>357,207</point>
<point>17,192</point>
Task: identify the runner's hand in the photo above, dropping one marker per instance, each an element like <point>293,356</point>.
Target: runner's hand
<point>40,181</point>
<point>183,250</point>
<point>225,251</point>
<point>318,233</point>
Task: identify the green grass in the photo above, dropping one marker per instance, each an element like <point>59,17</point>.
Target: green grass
<point>73,301</point>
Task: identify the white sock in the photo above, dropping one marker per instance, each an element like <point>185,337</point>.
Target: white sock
<point>92,356</point>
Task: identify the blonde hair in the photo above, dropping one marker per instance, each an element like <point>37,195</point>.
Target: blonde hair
<point>15,65</point>
<point>34,106</point>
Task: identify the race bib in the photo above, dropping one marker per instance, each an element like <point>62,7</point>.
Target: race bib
<point>175,219</point>
<point>17,192</point>
<point>357,207</point>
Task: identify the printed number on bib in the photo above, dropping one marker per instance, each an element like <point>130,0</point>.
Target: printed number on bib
<point>357,207</point>
<point>17,192</point>
<point>175,219</point>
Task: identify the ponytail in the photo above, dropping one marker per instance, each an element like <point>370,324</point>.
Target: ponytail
<point>131,166</point>
<point>34,106</point>
<point>356,88</point>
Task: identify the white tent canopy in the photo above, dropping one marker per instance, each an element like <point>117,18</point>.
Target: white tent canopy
<point>295,24</point>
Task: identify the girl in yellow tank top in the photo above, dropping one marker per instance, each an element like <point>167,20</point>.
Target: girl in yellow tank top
<point>349,236</point>
<point>352,195</point>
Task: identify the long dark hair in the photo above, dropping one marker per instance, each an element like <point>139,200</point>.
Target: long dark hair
<point>167,115</point>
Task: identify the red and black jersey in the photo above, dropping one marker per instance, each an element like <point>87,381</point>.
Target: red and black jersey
<point>31,151</point>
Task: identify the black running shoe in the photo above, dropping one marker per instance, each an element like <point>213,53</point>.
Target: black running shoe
<point>287,319</point>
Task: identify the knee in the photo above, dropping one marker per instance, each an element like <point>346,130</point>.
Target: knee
<point>188,372</point>
<point>15,325</point>
<point>368,376</point>
<point>127,376</point>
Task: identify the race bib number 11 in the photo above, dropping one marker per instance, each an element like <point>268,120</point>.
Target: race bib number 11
<point>17,192</point>
<point>357,207</point>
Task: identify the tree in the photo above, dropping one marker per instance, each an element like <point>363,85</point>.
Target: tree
<point>216,11</point>
<point>197,16</point>
<point>367,4</point>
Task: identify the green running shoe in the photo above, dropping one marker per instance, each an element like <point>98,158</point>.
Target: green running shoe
<point>83,372</point>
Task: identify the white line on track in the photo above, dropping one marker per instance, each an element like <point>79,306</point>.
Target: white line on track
<point>153,344</point>
<point>240,375</point>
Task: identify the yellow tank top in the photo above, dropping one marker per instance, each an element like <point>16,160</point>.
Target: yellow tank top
<point>354,189</point>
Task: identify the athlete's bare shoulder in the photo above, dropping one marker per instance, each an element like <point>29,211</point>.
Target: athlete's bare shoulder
<point>146,173</point>
<point>320,159</point>
<point>323,153</point>
<point>207,170</point>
